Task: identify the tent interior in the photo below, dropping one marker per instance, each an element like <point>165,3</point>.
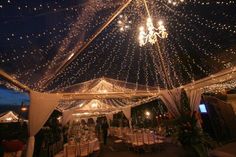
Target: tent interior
<point>85,58</point>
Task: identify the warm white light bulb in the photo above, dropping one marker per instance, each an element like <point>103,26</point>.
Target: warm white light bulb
<point>94,105</point>
<point>149,19</point>
<point>8,118</point>
<point>160,22</point>
<point>141,28</point>
<point>147,113</point>
<point>126,26</point>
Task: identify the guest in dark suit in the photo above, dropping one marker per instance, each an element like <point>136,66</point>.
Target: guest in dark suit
<point>104,131</point>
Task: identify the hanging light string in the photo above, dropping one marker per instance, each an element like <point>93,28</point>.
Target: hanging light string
<point>146,7</point>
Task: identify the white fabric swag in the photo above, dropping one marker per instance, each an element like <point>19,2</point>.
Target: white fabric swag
<point>127,113</point>
<point>171,98</point>
<point>41,106</point>
<point>66,116</point>
<point>109,117</point>
<point>95,119</point>
<point>194,97</point>
<point>86,120</point>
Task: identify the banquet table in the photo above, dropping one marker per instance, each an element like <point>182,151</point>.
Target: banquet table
<point>82,148</point>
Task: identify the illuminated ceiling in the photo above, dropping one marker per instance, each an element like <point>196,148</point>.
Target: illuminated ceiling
<point>37,38</point>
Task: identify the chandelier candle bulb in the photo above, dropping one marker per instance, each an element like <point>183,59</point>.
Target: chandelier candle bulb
<point>152,33</point>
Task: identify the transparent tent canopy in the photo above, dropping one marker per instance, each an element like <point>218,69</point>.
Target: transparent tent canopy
<point>122,94</point>
<point>58,47</point>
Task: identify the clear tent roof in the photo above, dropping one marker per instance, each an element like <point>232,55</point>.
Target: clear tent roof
<point>105,95</point>
<point>38,38</point>
<point>103,85</point>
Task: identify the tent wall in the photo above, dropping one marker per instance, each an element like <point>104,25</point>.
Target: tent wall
<point>41,107</point>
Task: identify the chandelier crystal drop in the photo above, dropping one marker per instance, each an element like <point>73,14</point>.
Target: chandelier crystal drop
<point>151,33</point>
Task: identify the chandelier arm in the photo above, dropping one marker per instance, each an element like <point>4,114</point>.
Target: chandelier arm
<point>146,38</point>
<point>157,33</point>
<point>156,29</point>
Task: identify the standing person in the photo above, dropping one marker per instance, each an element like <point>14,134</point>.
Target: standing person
<point>98,129</point>
<point>104,131</point>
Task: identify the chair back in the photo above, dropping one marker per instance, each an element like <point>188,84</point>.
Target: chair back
<point>96,146</point>
<point>84,149</point>
<point>70,151</point>
<point>138,139</point>
<point>151,138</point>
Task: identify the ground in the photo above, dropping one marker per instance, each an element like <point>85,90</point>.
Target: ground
<point>167,150</point>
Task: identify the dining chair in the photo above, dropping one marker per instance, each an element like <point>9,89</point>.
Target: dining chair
<point>70,150</point>
<point>96,146</point>
<point>84,149</point>
<point>137,141</point>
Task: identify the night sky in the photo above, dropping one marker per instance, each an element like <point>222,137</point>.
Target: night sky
<point>11,97</point>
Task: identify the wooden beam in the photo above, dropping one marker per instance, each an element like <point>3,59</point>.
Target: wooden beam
<point>14,81</point>
<point>85,96</point>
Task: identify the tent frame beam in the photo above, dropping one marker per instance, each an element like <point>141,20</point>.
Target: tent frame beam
<point>14,81</point>
<point>222,76</point>
<point>85,96</point>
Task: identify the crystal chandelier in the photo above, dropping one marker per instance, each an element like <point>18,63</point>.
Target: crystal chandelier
<point>151,33</point>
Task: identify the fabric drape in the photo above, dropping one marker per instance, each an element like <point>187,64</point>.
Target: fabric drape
<point>127,113</point>
<point>66,116</point>
<point>171,98</point>
<point>30,146</point>
<point>109,117</point>
<point>194,97</point>
<point>95,119</point>
<point>41,106</point>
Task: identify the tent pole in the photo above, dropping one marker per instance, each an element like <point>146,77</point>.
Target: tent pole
<point>63,66</point>
<point>14,81</point>
<point>163,67</point>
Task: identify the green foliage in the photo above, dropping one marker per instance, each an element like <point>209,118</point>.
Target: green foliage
<point>188,133</point>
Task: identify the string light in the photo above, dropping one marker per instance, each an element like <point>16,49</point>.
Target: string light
<point>175,2</point>
<point>220,87</point>
<point>193,49</point>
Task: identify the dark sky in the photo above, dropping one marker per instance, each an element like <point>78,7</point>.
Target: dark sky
<point>10,97</point>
